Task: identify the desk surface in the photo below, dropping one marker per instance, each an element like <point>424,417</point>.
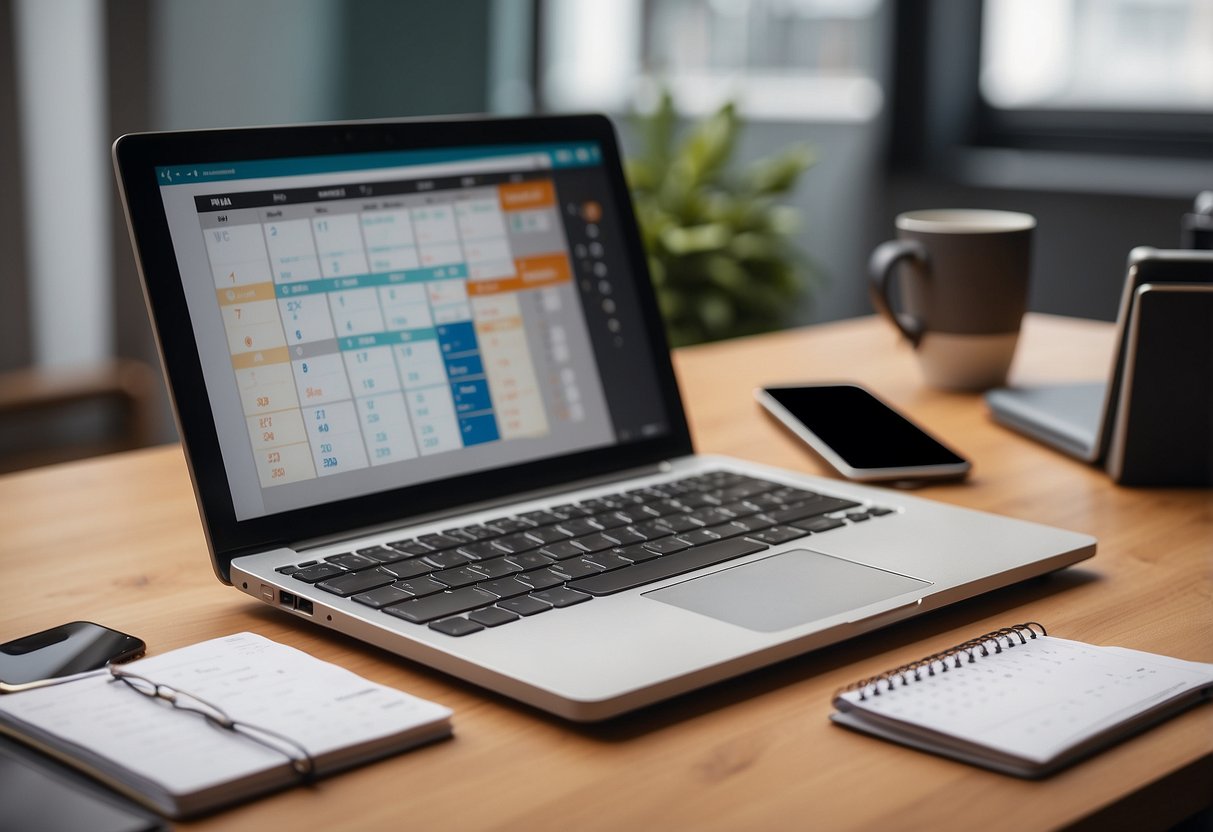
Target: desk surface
<point>118,540</point>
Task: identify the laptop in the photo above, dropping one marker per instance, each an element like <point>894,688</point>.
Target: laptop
<point>426,400</point>
<point>1090,420</point>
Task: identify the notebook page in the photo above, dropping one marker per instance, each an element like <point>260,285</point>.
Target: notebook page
<point>270,685</point>
<point>1037,699</point>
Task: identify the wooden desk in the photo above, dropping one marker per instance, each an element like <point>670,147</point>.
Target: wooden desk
<point>118,540</point>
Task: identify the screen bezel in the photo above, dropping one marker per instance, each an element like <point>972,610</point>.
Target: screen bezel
<point>137,156</point>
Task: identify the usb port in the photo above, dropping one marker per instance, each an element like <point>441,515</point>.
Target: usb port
<point>304,606</point>
<point>286,599</point>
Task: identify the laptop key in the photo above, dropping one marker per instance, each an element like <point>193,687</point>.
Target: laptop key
<point>289,569</point>
<point>753,523</point>
<point>493,616</point>
<point>819,524</point>
<point>667,545</point>
<point>778,534</point>
<point>317,573</point>
<point>459,576</point>
<point>810,508</point>
<point>611,519</point>
<point>678,523</point>
<point>595,542</point>
<point>607,560</point>
<point>410,547</point>
<point>529,560</point>
<point>381,554</point>
<point>570,511</point>
<point>741,508</point>
<point>383,596</point>
<point>456,626</point>
<point>480,551</point>
<point>519,542</point>
<point>562,550</point>
<point>525,605</point>
<point>677,563</point>
<point>727,530</point>
<point>440,541</point>
<point>578,526</point>
<point>541,517</point>
<point>406,569</point>
<point>637,514</point>
<point>548,534</point>
<point>636,554</point>
<point>351,561</point>
<point>561,597</point>
<point>711,516</point>
<point>506,587</point>
<point>576,568</point>
<point>441,605</point>
<point>625,537</point>
<point>509,525</point>
<point>698,537</point>
<point>474,533</point>
<point>542,579</point>
<point>498,567</point>
<point>419,587</point>
<point>447,559</point>
<point>354,582</point>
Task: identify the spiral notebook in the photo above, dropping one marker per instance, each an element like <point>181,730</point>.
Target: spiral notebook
<point>1020,701</point>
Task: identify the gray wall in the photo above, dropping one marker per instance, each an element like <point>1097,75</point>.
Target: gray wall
<point>835,199</point>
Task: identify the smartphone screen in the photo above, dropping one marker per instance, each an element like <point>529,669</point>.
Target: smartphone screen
<point>64,650</point>
<point>862,430</point>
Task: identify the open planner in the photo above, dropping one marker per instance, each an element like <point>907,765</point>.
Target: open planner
<point>1020,701</point>
<point>181,764</point>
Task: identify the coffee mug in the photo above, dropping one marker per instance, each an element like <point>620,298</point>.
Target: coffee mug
<point>964,288</point>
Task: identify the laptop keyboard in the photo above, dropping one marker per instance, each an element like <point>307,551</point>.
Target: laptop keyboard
<point>465,579</point>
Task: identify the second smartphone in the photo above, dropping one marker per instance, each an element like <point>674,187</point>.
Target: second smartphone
<point>860,436</point>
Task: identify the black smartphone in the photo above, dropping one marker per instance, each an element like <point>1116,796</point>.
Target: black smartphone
<point>64,650</point>
<point>859,435</point>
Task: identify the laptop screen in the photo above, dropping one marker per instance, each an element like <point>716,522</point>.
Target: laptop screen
<point>372,321</point>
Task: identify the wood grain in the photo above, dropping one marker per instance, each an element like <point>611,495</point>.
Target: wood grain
<point>117,540</point>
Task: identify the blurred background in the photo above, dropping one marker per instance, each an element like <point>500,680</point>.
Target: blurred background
<point>1094,115</point>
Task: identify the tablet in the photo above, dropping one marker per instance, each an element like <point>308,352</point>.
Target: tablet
<point>1079,419</point>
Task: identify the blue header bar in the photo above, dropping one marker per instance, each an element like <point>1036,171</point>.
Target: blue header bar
<point>559,155</point>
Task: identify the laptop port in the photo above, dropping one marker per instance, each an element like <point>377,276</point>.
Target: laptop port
<point>286,599</point>
<point>304,606</point>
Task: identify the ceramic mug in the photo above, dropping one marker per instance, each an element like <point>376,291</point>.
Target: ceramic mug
<point>964,288</point>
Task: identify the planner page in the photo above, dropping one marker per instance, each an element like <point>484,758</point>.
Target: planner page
<point>1037,699</point>
<point>321,706</point>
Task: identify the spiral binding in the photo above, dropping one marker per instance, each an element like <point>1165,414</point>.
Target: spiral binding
<point>994,641</point>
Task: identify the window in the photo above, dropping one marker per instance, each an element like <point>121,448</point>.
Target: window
<point>1124,76</point>
<point>793,59</point>
<point>1153,55</point>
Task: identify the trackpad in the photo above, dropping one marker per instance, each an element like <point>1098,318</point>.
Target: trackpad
<point>785,590</point>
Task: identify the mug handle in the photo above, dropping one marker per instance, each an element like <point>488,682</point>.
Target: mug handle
<point>886,256</point>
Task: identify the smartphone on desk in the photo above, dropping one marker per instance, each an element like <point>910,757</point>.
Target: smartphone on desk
<point>63,651</point>
<point>859,435</point>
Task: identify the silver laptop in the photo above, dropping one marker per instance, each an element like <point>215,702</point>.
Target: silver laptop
<point>426,400</point>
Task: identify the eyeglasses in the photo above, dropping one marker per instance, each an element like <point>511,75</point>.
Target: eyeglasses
<point>301,761</point>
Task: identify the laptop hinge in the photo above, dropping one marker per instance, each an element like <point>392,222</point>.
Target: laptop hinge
<point>471,508</point>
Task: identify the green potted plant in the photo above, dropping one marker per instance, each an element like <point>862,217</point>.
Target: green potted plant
<point>718,241</point>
